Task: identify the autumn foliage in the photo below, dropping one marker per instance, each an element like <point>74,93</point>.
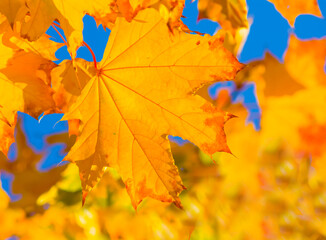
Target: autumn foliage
<point>230,181</point>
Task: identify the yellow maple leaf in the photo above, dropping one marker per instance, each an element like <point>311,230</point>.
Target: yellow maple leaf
<point>12,41</point>
<point>232,17</point>
<point>27,177</point>
<point>68,79</point>
<point>33,17</point>
<point>143,91</point>
<point>10,9</point>
<point>229,14</point>
<point>272,78</point>
<point>302,107</point>
<point>305,61</point>
<point>24,87</point>
<point>24,78</point>
<point>290,9</point>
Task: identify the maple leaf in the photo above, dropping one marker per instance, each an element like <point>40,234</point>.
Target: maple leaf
<point>68,79</point>
<point>229,14</point>
<point>272,78</point>
<point>278,81</point>
<point>305,110</point>
<point>26,176</point>
<point>284,89</point>
<point>24,79</point>
<point>290,9</point>
<point>23,85</point>
<point>10,9</point>
<point>12,41</point>
<point>144,91</point>
<point>305,61</point>
<point>170,10</point>
<point>32,18</point>
<point>303,69</point>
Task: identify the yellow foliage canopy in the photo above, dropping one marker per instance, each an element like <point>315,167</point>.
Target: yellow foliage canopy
<point>149,85</point>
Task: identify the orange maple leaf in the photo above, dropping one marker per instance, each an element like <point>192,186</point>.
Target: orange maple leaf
<point>143,91</point>
<point>230,14</point>
<point>24,79</point>
<point>290,9</point>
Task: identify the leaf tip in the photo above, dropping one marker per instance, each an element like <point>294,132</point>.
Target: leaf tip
<point>178,204</point>
<point>227,150</point>
<point>135,206</point>
<point>229,116</point>
<point>84,197</point>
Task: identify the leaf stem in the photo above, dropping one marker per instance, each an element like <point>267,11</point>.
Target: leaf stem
<point>57,25</point>
<point>91,51</point>
<point>54,27</point>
